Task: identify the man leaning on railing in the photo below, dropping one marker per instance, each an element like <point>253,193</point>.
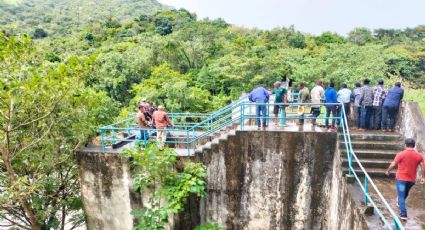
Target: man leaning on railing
<point>260,96</point>
<point>161,121</point>
<point>317,93</point>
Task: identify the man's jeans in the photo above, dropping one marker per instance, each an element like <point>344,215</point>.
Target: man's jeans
<point>261,108</point>
<point>315,113</point>
<point>377,116</point>
<point>389,117</point>
<point>365,116</point>
<point>331,109</point>
<point>357,115</point>
<point>403,188</point>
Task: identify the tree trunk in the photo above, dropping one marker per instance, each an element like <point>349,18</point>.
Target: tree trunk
<point>24,203</point>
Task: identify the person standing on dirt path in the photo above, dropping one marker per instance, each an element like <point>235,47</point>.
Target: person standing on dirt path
<point>407,162</point>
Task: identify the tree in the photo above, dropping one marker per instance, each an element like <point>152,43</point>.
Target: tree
<point>39,33</point>
<point>329,37</point>
<point>46,114</point>
<point>360,36</point>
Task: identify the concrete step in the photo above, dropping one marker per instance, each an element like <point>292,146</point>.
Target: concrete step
<point>215,141</point>
<point>373,172</point>
<point>381,145</point>
<point>369,163</point>
<point>373,137</point>
<point>372,154</point>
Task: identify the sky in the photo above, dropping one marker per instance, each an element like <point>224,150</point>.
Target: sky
<point>311,16</point>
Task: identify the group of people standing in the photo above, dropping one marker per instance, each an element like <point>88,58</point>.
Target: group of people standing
<point>150,116</point>
<point>377,108</point>
<point>374,107</point>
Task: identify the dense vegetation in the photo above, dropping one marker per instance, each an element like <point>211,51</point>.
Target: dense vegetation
<point>83,68</point>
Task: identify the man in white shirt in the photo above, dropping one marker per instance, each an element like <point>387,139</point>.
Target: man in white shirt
<point>317,93</point>
<point>344,97</point>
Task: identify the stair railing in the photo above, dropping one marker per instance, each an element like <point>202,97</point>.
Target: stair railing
<point>368,182</point>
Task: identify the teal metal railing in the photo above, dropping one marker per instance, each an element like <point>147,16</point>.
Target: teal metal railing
<point>367,182</point>
<point>191,128</point>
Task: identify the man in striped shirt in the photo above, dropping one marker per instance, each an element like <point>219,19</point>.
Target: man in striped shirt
<point>378,99</point>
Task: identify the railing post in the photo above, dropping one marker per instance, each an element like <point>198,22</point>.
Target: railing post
<point>193,139</point>
<point>366,188</point>
<point>187,142</point>
<point>128,127</point>
<point>396,227</point>
<point>350,161</point>
<point>145,138</point>
<point>242,116</point>
<point>102,137</point>
<point>114,135</point>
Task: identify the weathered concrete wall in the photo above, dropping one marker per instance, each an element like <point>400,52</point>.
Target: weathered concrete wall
<point>412,124</point>
<point>343,211</point>
<point>109,197</point>
<point>106,190</point>
<point>277,180</point>
<point>256,180</point>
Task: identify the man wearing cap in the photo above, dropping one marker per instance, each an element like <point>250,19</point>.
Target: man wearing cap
<point>281,97</point>
<point>407,162</point>
<point>161,121</point>
<point>260,96</point>
<point>317,93</point>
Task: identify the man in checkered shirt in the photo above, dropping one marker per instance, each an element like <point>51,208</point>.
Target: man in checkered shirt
<point>379,95</point>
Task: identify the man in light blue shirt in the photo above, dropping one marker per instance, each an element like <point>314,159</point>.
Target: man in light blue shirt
<point>260,96</point>
<point>344,97</point>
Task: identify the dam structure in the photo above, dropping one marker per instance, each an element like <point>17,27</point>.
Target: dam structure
<point>283,176</point>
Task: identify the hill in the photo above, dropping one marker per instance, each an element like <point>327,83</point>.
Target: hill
<point>55,18</point>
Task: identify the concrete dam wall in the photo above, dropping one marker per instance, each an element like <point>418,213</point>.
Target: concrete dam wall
<point>256,180</point>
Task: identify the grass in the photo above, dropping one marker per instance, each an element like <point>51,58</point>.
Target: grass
<point>417,95</point>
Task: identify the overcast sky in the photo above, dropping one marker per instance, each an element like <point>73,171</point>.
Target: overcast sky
<point>312,16</point>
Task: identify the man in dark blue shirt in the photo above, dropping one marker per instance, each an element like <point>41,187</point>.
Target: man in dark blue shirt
<point>331,97</point>
<point>391,106</point>
<point>260,96</point>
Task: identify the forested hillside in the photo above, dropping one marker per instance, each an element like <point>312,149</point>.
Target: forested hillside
<point>86,63</point>
<point>59,18</point>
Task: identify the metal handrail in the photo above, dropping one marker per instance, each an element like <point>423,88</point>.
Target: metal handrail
<point>368,180</point>
<point>227,116</point>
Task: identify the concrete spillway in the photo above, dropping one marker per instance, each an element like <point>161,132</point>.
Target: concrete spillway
<point>256,180</point>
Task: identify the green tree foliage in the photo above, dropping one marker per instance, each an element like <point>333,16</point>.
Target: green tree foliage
<point>104,56</point>
<point>63,18</point>
<point>156,171</point>
<point>360,36</point>
<point>46,113</point>
<point>39,33</point>
<point>329,37</point>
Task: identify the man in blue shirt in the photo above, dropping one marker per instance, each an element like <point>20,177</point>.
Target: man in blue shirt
<point>331,97</point>
<point>391,106</point>
<point>260,96</point>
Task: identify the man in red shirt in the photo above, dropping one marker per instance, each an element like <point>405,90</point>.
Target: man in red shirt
<point>161,121</point>
<point>407,162</point>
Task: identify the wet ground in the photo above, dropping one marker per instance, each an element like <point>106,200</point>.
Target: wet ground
<point>415,204</point>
